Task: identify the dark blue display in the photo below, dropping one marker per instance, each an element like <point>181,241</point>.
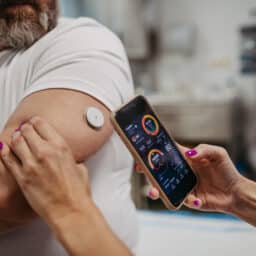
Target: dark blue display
<point>157,150</point>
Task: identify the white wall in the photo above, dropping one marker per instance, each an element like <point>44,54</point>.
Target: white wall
<point>218,22</point>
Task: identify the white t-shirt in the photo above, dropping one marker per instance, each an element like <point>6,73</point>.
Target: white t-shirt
<point>80,55</point>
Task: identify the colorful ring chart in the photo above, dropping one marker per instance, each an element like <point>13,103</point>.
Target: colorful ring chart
<point>150,125</point>
<point>155,157</point>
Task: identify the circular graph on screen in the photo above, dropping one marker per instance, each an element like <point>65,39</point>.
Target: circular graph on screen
<point>156,159</point>
<point>150,125</point>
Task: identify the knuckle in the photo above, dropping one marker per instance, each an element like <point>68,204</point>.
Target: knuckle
<point>26,129</point>
<point>41,155</point>
<point>44,154</point>
<point>6,157</point>
<point>9,162</point>
<point>61,146</point>
<point>203,146</point>
<point>37,121</point>
<point>25,182</point>
<point>222,151</point>
<point>64,148</point>
<point>30,167</point>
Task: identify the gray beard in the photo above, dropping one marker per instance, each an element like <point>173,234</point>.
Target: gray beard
<point>23,34</point>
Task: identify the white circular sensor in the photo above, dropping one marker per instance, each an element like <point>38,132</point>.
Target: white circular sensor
<point>94,117</point>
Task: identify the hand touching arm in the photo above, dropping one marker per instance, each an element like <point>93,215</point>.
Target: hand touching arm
<point>46,162</point>
<point>63,109</point>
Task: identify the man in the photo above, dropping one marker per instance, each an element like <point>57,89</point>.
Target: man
<point>58,72</point>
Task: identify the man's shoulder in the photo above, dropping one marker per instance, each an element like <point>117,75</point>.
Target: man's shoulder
<point>81,34</point>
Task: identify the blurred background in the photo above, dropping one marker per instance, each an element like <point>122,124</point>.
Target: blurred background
<point>196,61</point>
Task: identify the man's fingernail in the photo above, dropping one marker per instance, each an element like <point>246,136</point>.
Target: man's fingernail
<point>1,145</point>
<point>191,153</point>
<point>196,203</point>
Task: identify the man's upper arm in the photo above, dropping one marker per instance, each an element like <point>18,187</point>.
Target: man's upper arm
<point>64,109</point>
<point>68,76</point>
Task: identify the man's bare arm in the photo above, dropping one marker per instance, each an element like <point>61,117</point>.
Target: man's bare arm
<point>64,110</point>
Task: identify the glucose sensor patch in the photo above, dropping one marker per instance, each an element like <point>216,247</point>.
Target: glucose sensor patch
<point>94,117</point>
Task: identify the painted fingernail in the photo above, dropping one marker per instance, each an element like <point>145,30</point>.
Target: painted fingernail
<point>151,194</point>
<point>21,124</point>
<point>1,145</point>
<point>191,153</point>
<point>196,203</point>
<point>138,167</point>
<point>15,135</point>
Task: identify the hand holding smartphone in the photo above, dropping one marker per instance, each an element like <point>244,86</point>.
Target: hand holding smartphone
<point>151,145</point>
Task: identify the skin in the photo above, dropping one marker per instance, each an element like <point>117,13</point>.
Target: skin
<point>41,160</point>
<point>221,188</point>
<point>14,209</point>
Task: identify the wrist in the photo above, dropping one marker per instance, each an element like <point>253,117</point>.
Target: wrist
<point>62,218</point>
<point>83,231</point>
<point>240,195</point>
<point>70,229</point>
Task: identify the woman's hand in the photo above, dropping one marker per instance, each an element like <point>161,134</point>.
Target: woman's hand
<point>58,190</point>
<point>218,179</point>
<point>46,171</point>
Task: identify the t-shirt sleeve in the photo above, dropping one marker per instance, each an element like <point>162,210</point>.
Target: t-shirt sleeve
<point>87,58</point>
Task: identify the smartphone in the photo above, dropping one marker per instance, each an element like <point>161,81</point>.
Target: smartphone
<point>147,139</point>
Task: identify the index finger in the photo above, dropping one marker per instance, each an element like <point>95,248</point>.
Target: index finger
<point>209,153</point>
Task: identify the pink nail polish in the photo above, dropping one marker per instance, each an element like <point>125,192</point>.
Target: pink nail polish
<point>151,194</point>
<point>196,203</point>
<point>1,145</point>
<point>191,153</point>
<point>21,124</point>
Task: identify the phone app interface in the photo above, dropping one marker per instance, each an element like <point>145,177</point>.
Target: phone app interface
<point>159,153</point>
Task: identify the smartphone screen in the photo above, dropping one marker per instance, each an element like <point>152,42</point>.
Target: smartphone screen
<point>157,150</point>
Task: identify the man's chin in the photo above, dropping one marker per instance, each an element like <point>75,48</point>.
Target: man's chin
<point>25,27</point>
